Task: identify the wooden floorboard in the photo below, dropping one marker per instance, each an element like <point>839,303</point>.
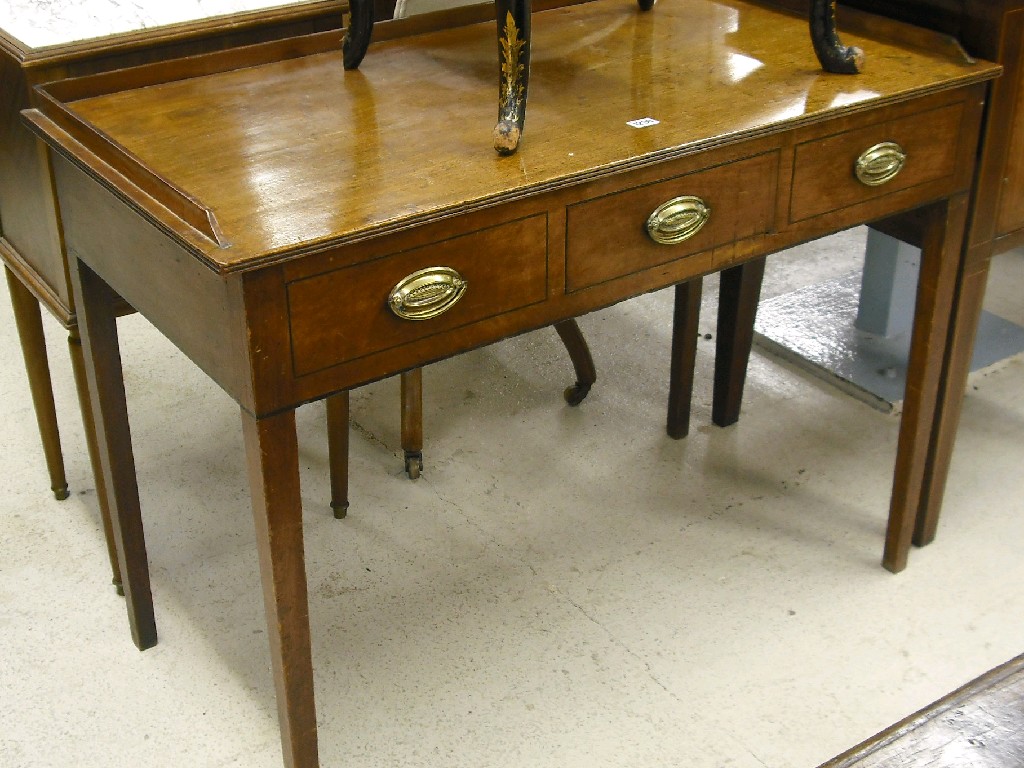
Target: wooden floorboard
<point>978,726</point>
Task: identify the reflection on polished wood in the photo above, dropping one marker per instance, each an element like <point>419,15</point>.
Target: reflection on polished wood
<point>264,214</point>
<point>514,50</point>
<point>515,46</point>
<point>260,215</point>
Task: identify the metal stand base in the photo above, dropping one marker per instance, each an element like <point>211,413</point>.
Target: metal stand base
<point>813,328</point>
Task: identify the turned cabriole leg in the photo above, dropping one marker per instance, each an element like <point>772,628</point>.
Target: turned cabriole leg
<point>97,322</point>
<point>273,460</point>
<point>29,322</point>
<point>582,361</point>
<point>832,54</point>
<point>513,20</point>
<point>929,361</point>
<point>337,451</point>
<point>685,319</point>
<point>82,385</point>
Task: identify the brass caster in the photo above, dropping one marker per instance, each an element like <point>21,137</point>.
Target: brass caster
<point>413,464</point>
<point>61,493</point>
<point>340,510</point>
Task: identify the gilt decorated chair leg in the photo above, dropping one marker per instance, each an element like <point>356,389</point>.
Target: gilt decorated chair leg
<point>357,36</point>
<point>833,55</point>
<point>513,17</point>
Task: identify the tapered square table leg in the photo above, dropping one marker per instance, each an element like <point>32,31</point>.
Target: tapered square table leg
<point>273,460</point>
<point>963,329</point>
<point>941,266</point>
<point>82,386</point>
<point>685,319</point>
<point>97,322</point>
<point>737,309</point>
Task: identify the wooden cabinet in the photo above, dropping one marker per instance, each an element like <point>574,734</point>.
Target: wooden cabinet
<point>1006,131</point>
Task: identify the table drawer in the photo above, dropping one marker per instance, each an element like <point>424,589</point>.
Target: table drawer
<point>346,314</point>
<point>608,237</point>
<point>910,151</point>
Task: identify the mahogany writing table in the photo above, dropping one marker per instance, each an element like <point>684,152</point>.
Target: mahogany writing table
<point>274,216</point>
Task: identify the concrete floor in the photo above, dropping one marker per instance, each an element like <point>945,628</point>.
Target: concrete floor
<point>562,587</point>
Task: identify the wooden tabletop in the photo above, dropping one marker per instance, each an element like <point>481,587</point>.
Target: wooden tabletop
<point>298,154</point>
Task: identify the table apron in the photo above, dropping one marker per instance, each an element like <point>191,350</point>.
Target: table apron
<point>288,333</point>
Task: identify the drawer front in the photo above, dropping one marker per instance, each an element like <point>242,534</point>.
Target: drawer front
<point>347,314</point>
<point>609,237</point>
<point>825,177</point>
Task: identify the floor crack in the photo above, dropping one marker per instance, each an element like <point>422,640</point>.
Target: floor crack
<point>355,426</point>
<point>492,542</point>
<point>619,643</point>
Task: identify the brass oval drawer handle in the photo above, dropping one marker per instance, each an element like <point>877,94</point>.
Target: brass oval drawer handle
<point>880,164</point>
<point>426,293</point>
<point>677,220</point>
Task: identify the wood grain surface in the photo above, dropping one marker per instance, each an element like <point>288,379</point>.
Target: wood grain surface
<point>275,151</point>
